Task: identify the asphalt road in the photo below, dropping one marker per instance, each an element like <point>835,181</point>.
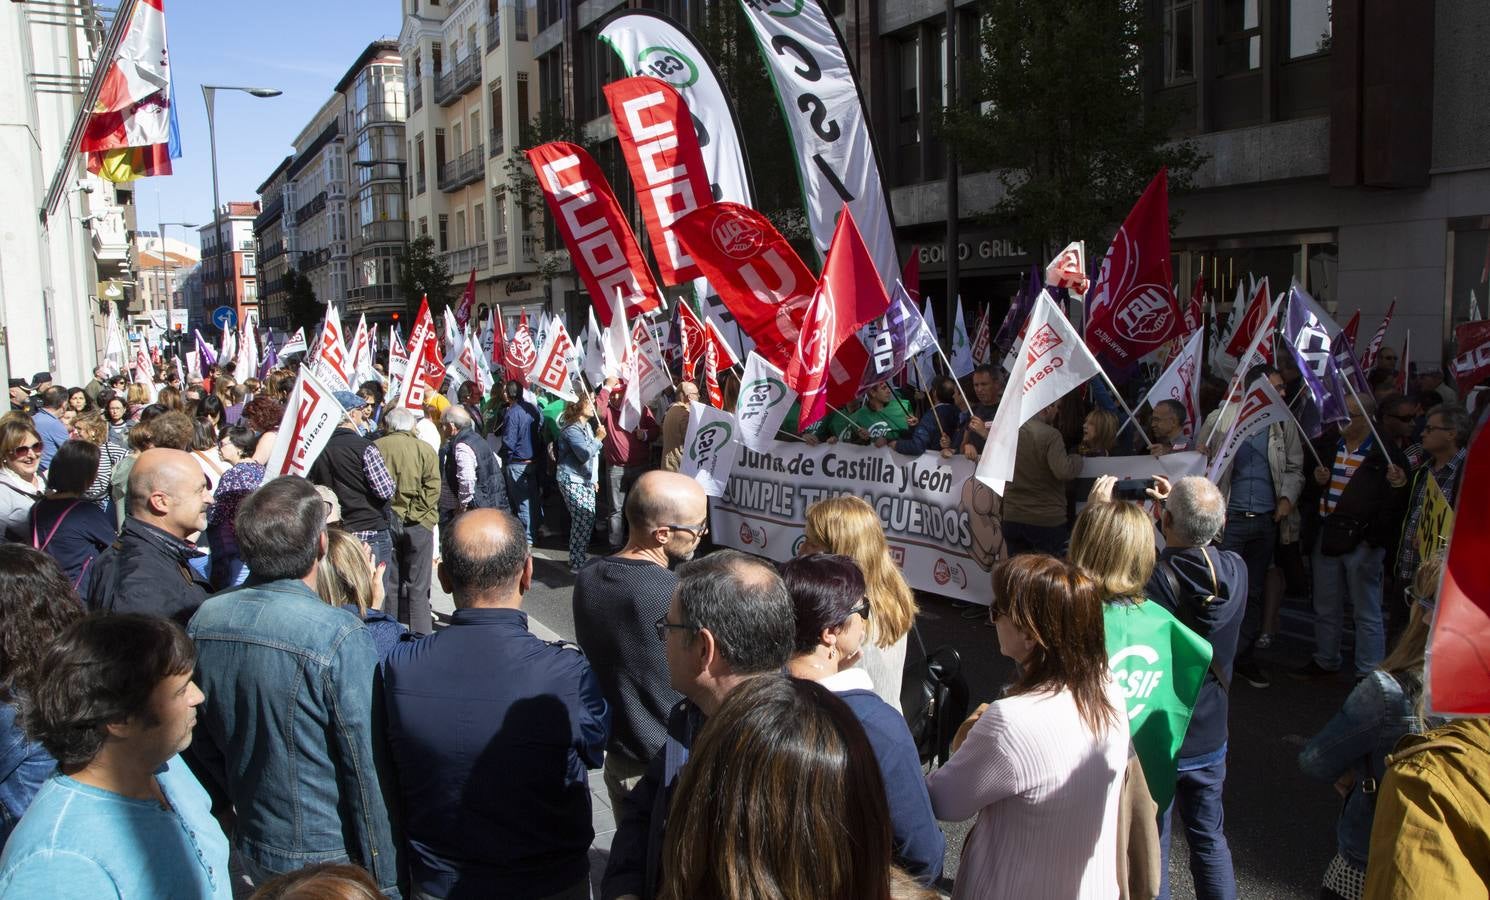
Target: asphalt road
<point>1281,826</point>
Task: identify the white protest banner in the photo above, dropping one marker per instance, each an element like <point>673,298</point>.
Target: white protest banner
<point>553,372</point>
<point>311,414</point>
<point>763,404</point>
<point>819,96</point>
<point>295,344</point>
<point>1181,382</point>
<point>1260,408</point>
<point>925,504</point>
<point>709,448</point>
<point>1052,362</point>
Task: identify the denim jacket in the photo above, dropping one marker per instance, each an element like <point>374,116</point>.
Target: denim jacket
<point>24,767</point>
<point>290,726</point>
<point>1356,741</point>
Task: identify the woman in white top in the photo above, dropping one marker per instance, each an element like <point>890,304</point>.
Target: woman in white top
<point>1042,768</point>
<point>20,486</point>
<point>849,526</point>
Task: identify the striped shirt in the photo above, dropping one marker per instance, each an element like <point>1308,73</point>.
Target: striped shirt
<point>1344,469</point>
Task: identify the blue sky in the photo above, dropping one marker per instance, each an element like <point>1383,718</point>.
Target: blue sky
<point>302,48</point>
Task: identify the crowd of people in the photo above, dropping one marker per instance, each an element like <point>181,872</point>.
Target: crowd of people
<point>215,684</point>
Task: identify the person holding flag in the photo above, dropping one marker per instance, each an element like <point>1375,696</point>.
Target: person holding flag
<point>987,385</point>
<point>578,454</point>
<point>628,456</point>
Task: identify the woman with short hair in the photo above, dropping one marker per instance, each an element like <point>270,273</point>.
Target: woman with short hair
<point>242,478</point>
<point>20,460</point>
<point>64,524</point>
<point>578,455</point>
<point>1041,768</point>
<point>850,526</point>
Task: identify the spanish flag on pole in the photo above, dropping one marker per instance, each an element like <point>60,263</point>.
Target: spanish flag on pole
<point>133,131</point>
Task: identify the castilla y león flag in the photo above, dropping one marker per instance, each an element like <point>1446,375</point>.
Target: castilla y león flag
<point>600,240</point>
<point>1132,305</point>
<point>1459,649</point>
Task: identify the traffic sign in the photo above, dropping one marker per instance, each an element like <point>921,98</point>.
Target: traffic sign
<point>225,317</point>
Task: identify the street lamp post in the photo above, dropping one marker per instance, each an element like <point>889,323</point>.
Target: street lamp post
<point>208,92</point>
<point>165,269</point>
<point>403,196</point>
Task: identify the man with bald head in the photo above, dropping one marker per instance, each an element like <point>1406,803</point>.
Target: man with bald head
<point>618,598</point>
<point>148,569</point>
<point>491,731</point>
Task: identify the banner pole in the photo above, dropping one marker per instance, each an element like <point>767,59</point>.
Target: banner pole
<point>1132,416</point>
<point>1304,436</point>
<point>954,378</point>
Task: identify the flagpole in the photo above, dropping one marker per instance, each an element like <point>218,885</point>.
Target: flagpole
<point>1132,416</point>
<point>1304,436</point>
<point>951,375</point>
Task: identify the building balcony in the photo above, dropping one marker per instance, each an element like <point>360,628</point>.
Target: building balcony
<point>465,169</point>
<point>311,260</point>
<point>380,114</point>
<point>522,23</point>
<point>385,232</point>
<point>493,33</point>
<point>496,143</point>
<point>532,246</point>
<point>317,203</point>
<point>451,85</point>
<point>463,260</point>
<point>499,250</point>
<point>416,91</point>
<point>336,190</point>
<point>272,210</point>
<point>271,252</point>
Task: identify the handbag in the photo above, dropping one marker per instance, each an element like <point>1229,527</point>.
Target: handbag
<point>934,700</point>
<point>1339,535</point>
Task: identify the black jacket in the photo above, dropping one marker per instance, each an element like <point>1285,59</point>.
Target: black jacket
<point>145,571</point>
<point>634,866</point>
<point>340,468</point>
<point>1367,496</point>
<point>489,493</point>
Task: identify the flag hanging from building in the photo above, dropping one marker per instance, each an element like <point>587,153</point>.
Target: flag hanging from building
<point>132,130</point>
<point>1132,309</point>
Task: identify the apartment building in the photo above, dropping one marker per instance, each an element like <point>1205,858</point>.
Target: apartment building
<point>160,266</point>
<point>229,263</point>
<point>468,68</point>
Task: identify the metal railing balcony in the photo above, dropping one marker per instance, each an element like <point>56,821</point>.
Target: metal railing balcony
<point>493,33</point>
<point>416,90</point>
<point>496,143</point>
<point>450,85</point>
<point>316,204</point>
<point>272,210</point>
<point>522,23</point>
<point>465,169</point>
<point>532,244</point>
<point>386,232</point>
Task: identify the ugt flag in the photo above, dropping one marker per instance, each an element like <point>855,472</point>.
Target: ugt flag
<point>1132,309</point>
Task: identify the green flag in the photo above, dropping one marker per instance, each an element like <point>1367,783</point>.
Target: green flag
<point>1159,664</point>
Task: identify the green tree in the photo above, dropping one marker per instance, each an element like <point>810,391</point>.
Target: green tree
<point>302,309</point>
<point>422,273</point>
<point>1056,104</point>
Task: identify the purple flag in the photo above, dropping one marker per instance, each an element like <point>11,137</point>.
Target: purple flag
<point>1308,339</point>
<point>271,358</point>
<point>1345,362</point>
<point>895,337</point>
<point>1019,310</point>
<point>206,356</point>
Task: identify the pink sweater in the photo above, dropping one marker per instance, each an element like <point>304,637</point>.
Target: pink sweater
<point>1045,792</point>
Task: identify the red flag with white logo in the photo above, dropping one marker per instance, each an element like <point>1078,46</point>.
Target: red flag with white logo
<point>420,347</point>
<point>655,131</point>
<point>849,295</point>
<point>1352,326</point>
<point>600,241</point>
<point>1132,308</point>
<point>467,301</point>
<point>711,380</point>
<point>691,338</point>
<point>1257,317</point>
<point>521,355</point>
<point>1473,362</point>
<point>1458,673</point>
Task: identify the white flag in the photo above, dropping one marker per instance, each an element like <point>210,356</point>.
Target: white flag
<point>1181,382</point>
<point>651,373</point>
<point>1249,358</point>
<point>1260,407</point>
<point>615,348</point>
<point>453,342</point>
<point>594,350</point>
<point>114,353</point>
<point>553,371</point>
<point>962,347</point>
<point>1068,269</point>
<point>709,448</point>
<point>311,414</point>
<point>1052,362</point>
<point>247,365</point>
<point>764,403</point>
<point>331,364</point>
<point>193,365</point>
<point>1223,363</point>
<point>1474,307</point>
<point>228,349</point>
<point>295,344</point>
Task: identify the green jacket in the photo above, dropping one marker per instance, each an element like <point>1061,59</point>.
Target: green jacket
<point>416,473</point>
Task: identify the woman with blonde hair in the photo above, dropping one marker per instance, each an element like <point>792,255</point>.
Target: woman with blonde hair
<point>849,526</point>
<point>1350,752</point>
<point>349,576</point>
<point>1098,433</point>
<point>1042,767</point>
<point>1113,542</point>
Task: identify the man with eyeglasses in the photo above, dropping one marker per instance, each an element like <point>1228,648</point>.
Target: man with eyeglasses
<point>1445,443</point>
<point>617,599</point>
<point>1399,419</point>
<point>730,620</point>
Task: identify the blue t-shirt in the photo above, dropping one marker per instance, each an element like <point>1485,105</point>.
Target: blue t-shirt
<point>81,841</point>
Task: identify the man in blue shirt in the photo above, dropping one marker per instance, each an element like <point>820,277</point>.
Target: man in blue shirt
<point>492,731</point>
<point>48,422</point>
<point>521,444</point>
<point>123,817</point>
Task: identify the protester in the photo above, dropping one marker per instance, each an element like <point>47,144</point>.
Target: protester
<point>628,454</point>
<point>675,425</point>
<point>1351,751</point>
<point>1398,424</point>
<point>415,509</point>
<point>350,578</point>
<point>96,385</point>
<point>63,524</point>
<point>21,485</point>
<point>1098,433</point>
<point>729,621</point>
<point>781,798</point>
<point>617,601</point>
<point>988,385</point>
<point>1359,514</point>
<point>1167,428</point>
<point>137,397</point>
<point>577,453</point>
<point>1262,491</point>
<point>353,468</point>
<point>1035,498</point>
<point>123,816</point>
<point>48,422</point>
<point>491,731</point>
<point>882,416</point>
<point>36,603</point>
<point>373,395</point>
<point>848,525</point>
<point>287,731</point>
<point>149,568</point>
<point>242,478</point>
<point>521,464</point>
<point>1205,588</point>
<point>1445,443</point>
<point>832,615</point>
<point>471,472</point>
<point>941,427</point>
<point>93,428</point>
<point>1045,763</point>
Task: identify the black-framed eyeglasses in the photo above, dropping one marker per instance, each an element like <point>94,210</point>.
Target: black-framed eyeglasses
<point>862,609</point>
<point>695,530</point>
<point>662,625</point>
<point>1437,428</point>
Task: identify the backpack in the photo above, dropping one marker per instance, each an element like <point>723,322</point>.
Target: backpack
<point>934,700</point>
<point>1185,612</point>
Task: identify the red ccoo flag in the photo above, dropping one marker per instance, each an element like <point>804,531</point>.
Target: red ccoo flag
<point>849,294</point>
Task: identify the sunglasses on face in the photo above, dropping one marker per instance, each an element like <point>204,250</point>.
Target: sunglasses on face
<point>24,449</point>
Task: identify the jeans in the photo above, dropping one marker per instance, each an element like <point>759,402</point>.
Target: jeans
<point>519,479</point>
<point>413,562</point>
<point>618,482</point>
<point>1253,538</point>
<point>1197,795</point>
<point>1051,539</point>
<point>1356,575</point>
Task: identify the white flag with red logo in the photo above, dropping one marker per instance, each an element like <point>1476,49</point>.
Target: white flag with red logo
<point>651,374</point>
<point>554,372</point>
<point>331,363</point>
<point>1181,382</point>
<point>419,349</point>
<point>1260,408</point>
<point>1068,269</point>
<point>1052,362</point>
<point>311,414</point>
<point>295,344</point>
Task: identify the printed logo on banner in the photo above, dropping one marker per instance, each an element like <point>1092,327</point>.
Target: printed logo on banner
<point>1146,316</point>
<point>797,544</point>
<point>944,572</point>
<point>735,236</point>
<point>752,537</point>
<point>816,340</point>
<point>1042,342</point>
<point>1136,682</point>
<point>523,353</point>
<point>760,396</point>
<point>897,553</point>
<point>707,443</point>
<point>795,10</point>
<point>667,64</point>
